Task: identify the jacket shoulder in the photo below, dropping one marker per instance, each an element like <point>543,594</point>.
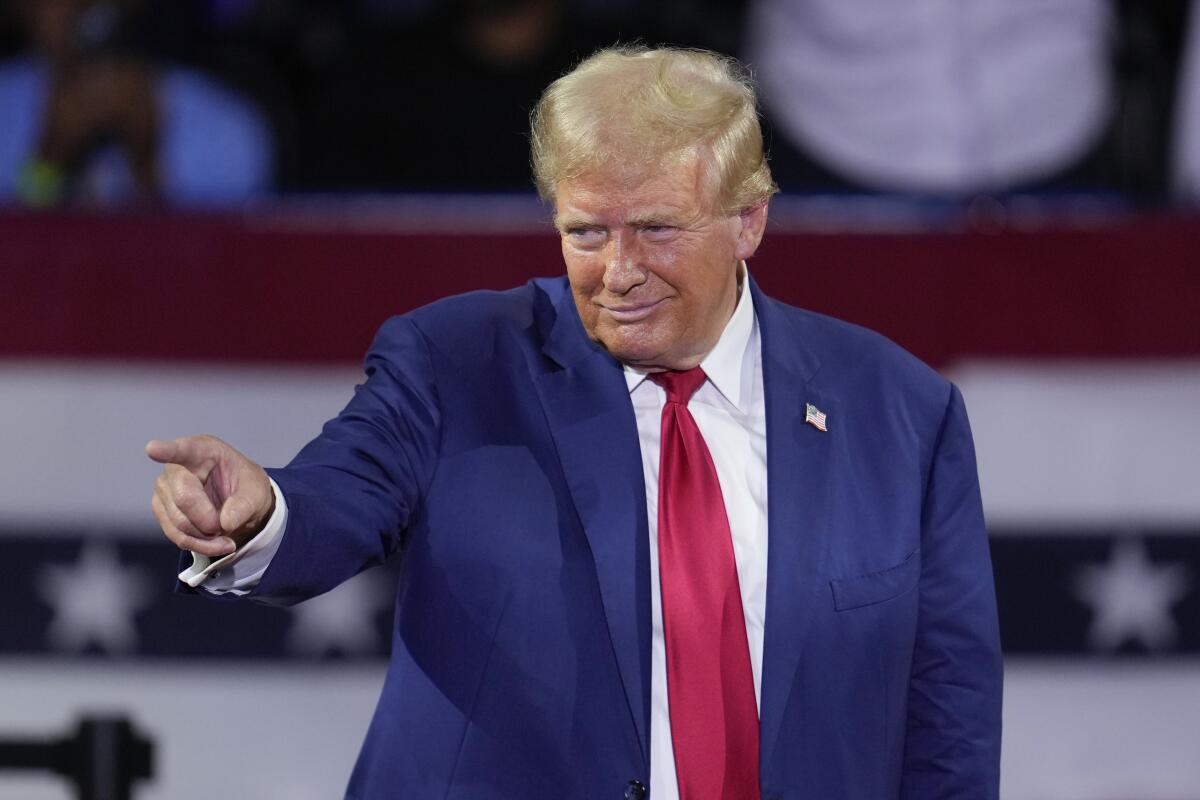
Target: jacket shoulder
<point>855,351</point>
<point>896,405</point>
<point>471,326</point>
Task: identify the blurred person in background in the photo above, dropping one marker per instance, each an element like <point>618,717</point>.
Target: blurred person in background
<point>455,80</point>
<point>936,96</point>
<point>441,101</point>
<point>1185,177</point>
<point>92,118</point>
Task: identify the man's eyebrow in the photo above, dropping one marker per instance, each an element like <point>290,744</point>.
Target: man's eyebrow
<point>662,216</point>
<point>567,221</point>
<point>653,217</point>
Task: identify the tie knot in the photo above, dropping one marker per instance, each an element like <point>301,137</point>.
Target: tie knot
<point>680,386</point>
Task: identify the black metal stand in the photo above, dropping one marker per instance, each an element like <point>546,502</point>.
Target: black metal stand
<point>103,758</point>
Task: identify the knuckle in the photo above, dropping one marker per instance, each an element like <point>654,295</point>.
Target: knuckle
<point>204,440</point>
<point>190,498</point>
<point>184,499</point>
<point>181,496</point>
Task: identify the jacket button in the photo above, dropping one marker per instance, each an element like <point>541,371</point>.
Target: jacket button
<point>634,790</point>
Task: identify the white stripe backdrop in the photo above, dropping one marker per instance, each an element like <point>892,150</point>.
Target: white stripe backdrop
<point>1059,444</point>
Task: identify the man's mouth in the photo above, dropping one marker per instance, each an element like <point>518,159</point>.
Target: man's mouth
<point>632,312</point>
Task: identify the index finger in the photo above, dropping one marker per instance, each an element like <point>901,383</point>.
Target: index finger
<point>187,451</point>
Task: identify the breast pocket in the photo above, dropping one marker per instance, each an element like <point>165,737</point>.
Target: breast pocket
<point>876,587</point>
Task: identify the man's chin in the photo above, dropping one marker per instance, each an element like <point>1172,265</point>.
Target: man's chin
<point>640,355</point>
<point>645,357</point>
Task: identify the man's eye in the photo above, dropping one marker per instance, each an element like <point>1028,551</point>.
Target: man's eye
<point>585,236</point>
<point>658,231</point>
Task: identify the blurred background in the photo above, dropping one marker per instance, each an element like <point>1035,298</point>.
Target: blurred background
<point>208,206</point>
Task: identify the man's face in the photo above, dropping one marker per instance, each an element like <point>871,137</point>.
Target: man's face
<point>652,261</point>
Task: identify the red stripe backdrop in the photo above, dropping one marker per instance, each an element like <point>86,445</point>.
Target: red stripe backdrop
<point>245,287</point>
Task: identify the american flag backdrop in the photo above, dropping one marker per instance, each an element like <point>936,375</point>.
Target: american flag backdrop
<point>1075,341</point>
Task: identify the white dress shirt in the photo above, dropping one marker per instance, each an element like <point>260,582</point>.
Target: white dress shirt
<point>730,411</point>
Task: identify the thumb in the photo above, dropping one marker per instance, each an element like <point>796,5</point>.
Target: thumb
<point>236,512</point>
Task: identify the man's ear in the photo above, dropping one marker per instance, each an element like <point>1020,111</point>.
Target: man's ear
<point>753,221</point>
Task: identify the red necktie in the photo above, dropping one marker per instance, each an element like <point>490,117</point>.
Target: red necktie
<point>710,687</point>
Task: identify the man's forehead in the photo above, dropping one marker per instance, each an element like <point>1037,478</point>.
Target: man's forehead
<point>664,189</point>
<point>588,205</point>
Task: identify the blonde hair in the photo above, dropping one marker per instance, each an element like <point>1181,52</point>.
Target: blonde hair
<point>632,108</point>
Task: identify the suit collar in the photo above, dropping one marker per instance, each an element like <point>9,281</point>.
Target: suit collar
<point>784,338</point>
<point>565,341</point>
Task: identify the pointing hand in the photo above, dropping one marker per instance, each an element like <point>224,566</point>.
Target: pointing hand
<point>209,498</point>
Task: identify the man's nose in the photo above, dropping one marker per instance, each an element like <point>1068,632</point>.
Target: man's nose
<point>623,268</point>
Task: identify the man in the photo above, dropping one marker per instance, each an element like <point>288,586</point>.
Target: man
<point>658,530</point>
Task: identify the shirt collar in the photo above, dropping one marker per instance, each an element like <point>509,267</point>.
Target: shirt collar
<point>723,364</point>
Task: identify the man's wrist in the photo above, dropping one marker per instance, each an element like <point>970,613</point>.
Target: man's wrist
<point>239,571</point>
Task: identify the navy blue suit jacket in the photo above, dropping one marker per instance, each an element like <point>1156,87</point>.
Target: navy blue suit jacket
<point>496,445</point>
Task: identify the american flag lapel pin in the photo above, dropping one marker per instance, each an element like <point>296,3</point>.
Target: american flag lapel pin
<point>815,417</point>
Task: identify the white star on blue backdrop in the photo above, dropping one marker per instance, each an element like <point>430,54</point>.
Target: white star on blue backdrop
<point>94,601</point>
<point>1131,598</point>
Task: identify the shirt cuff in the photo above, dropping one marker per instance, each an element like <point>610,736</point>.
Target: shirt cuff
<point>240,571</point>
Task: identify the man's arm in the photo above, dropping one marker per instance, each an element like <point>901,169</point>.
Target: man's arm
<point>350,492</point>
<point>953,739</point>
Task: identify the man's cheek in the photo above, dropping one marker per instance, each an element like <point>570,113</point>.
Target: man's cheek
<point>590,317</point>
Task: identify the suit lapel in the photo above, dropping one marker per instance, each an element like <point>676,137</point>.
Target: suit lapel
<point>798,484</point>
<point>586,402</point>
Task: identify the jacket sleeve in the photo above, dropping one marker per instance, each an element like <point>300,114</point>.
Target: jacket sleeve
<point>353,491</point>
<point>952,747</point>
